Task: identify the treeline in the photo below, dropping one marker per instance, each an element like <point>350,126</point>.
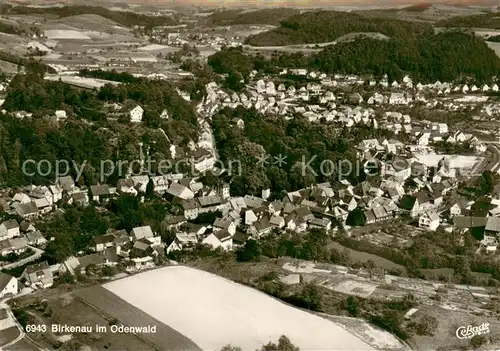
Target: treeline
<point>113,75</point>
<point>7,28</point>
<point>494,39</point>
<point>264,16</point>
<point>30,65</point>
<point>446,56</point>
<point>327,26</point>
<point>125,18</point>
<point>487,20</point>
<point>298,140</point>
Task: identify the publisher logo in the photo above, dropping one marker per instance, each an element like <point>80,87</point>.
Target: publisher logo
<point>468,332</point>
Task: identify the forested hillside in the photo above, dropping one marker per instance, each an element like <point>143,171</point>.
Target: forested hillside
<point>326,26</point>
<point>42,138</point>
<point>488,20</point>
<point>125,18</point>
<point>446,56</point>
<point>264,16</point>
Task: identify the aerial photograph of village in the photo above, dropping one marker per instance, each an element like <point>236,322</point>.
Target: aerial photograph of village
<point>249,175</point>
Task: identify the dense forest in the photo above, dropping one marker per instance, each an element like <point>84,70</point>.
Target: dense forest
<point>487,20</point>
<point>264,16</point>
<point>42,138</point>
<point>446,56</point>
<point>298,140</point>
<point>327,26</point>
<point>32,93</point>
<point>125,18</point>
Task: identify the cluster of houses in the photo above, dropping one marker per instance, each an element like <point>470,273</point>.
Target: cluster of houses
<point>16,238</point>
<point>316,101</point>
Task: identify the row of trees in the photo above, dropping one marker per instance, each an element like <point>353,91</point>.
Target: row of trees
<point>113,75</point>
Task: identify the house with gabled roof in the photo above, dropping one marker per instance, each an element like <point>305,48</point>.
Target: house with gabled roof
<point>100,192</point>
<point>27,210</point>
<point>35,238</point>
<point>177,190</point>
<point>9,229</point>
<point>9,285</point>
<point>38,275</point>
<point>224,224</point>
<point>219,239</point>
<point>410,204</point>
<point>429,220</point>
<point>66,183</point>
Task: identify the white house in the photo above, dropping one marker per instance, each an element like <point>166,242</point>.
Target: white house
<point>429,220</point>
<point>221,238</point>
<point>9,285</point>
<point>60,115</point>
<point>136,114</point>
<point>9,229</point>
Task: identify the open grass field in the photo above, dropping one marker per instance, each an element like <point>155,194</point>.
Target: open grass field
<point>444,337</point>
<point>111,305</point>
<point>362,257</point>
<point>23,345</point>
<point>7,335</point>
<point>214,312</point>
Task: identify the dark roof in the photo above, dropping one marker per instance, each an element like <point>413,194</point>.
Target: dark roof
<point>240,238</point>
<point>11,224</point>
<point>85,261</point>
<point>175,219</point>
<point>100,190</point>
<point>27,209</point>
<point>103,239</point>
<point>209,200</point>
<point>407,202</point>
<point>37,267</point>
<point>222,235</point>
<point>4,280</point>
<point>463,222</point>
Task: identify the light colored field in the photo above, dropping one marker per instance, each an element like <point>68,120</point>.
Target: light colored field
<point>352,287</point>
<point>456,161</point>
<point>213,312</point>
<point>363,257</point>
<point>494,46</point>
<point>376,337</point>
<point>108,304</point>
<point>158,47</point>
<point>59,34</point>
<point>83,82</point>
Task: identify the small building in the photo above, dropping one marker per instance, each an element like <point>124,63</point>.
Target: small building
<point>38,275</point>
<point>136,114</point>
<point>9,286</point>
<point>429,220</point>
